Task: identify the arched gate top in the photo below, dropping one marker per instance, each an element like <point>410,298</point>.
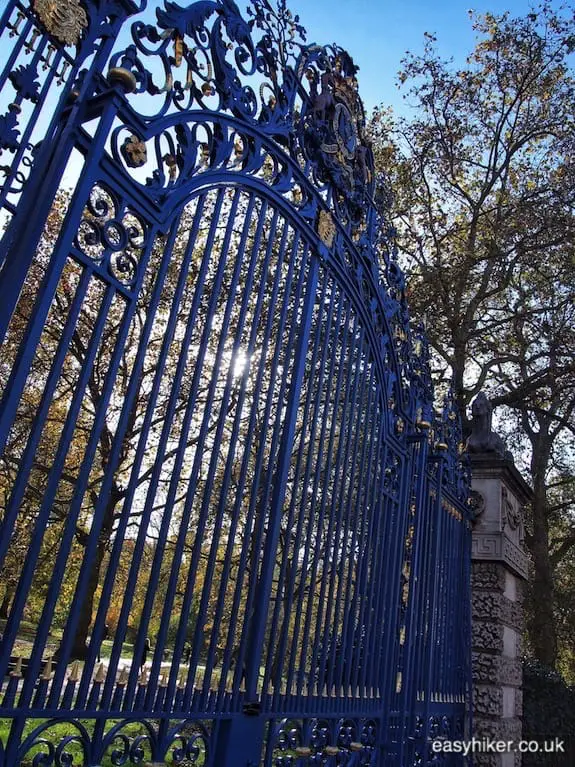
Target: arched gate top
<point>214,92</point>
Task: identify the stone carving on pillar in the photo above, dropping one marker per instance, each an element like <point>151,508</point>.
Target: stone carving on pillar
<point>512,517</point>
<point>499,568</point>
<point>477,503</point>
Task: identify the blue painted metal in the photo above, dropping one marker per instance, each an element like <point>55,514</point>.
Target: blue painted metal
<point>220,459</point>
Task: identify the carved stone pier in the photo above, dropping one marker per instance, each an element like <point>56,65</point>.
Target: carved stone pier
<point>499,570</point>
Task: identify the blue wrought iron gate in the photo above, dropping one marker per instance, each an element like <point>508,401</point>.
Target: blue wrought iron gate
<point>233,530</point>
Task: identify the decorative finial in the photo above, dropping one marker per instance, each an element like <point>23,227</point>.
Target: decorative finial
<point>75,672</point>
<point>47,672</point>
<point>100,676</point>
<point>123,678</point>
<point>17,668</point>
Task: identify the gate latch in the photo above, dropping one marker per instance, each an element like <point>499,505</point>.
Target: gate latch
<point>252,709</point>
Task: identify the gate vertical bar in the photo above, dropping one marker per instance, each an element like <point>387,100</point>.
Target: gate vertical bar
<point>264,587</point>
<point>240,741</point>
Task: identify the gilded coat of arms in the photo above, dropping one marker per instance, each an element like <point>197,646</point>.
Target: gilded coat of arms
<point>334,135</point>
<point>63,19</point>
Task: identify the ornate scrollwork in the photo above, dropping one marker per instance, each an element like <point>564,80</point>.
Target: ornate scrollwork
<point>446,726</point>
<point>434,727</point>
<point>322,741</point>
<point>124,746</point>
<point>9,132</point>
<point>419,727</point>
<point>207,57</point>
<point>420,374</point>
<point>283,34</point>
<point>111,236</point>
<point>64,20</point>
<point>319,735</point>
<point>180,153</point>
<point>189,743</point>
<point>449,440</point>
<point>26,83</point>
<point>247,97</point>
<point>51,749</point>
<point>287,738</point>
<point>368,741</point>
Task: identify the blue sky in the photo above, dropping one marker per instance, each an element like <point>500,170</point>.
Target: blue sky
<point>378,32</point>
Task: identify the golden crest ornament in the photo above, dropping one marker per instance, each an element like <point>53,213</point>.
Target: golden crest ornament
<point>63,19</point>
<point>326,228</point>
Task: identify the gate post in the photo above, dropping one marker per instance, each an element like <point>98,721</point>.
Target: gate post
<point>499,569</point>
<point>239,741</point>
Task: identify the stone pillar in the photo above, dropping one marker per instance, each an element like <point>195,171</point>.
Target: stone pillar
<point>499,570</point>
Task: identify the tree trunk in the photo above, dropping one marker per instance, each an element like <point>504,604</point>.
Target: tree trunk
<point>79,648</point>
<point>6,602</point>
<point>458,384</point>
<point>541,624</point>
